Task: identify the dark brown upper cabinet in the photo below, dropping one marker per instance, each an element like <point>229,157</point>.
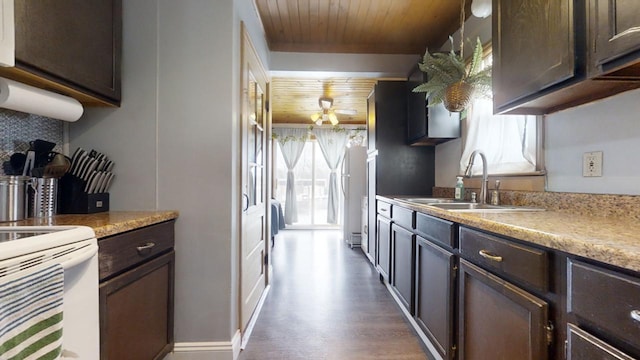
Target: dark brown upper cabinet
<point>73,47</point>
<point>614,30</point>
<point>428,125</point>
<point>552,55</point>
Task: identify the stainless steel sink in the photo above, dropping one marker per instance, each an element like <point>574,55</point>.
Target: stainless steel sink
<point>427,200</point>
<point>452,205</point>
<point>476,207</point>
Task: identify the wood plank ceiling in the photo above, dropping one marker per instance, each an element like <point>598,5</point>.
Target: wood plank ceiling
<point>295,100</point>
<point>348,26</point>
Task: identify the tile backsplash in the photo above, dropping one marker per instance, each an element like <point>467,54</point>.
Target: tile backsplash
<point>17,129</point>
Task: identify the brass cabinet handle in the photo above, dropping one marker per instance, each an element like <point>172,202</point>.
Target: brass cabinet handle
<point>487,255</point>
<point>146,248</point>
<point>635,315</point>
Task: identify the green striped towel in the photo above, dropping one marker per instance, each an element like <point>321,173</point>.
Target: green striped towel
<point>31,314</point>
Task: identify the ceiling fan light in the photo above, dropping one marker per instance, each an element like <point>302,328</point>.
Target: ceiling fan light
<point>333,119</point>
<point>319,122</point>
<point>325,102</point>
<point>481,8</point>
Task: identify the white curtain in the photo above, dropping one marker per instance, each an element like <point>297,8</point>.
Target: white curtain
<point>332,144</point>
<point>508,141</point>
<point>292,143</point>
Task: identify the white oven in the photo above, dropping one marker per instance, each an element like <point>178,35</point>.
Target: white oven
<point>29,250</point>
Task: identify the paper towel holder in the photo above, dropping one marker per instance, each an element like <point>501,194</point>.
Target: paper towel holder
<point>29,99</point>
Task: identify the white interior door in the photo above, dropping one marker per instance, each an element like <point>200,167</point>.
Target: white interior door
<point>254,219</point>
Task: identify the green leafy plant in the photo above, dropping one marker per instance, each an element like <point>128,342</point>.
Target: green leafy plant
<point>448,76</point>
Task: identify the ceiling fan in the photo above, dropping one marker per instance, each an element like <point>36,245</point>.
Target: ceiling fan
<point>327,113</point>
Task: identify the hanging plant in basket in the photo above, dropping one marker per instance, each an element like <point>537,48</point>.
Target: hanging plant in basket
<point>451,82</point>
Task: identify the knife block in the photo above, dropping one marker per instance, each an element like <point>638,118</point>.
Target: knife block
<point>73,200</point>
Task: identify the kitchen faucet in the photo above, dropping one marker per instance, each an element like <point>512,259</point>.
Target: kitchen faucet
<point>485,179</point>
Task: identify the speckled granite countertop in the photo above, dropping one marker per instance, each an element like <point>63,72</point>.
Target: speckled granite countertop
<point>105,223</point>
<point>612,240</point>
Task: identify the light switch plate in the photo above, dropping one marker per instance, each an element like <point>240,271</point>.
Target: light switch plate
<point>592,164</point>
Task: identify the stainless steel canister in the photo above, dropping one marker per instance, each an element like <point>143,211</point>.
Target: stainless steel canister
<point>13,197</point>
<point>43,197</point>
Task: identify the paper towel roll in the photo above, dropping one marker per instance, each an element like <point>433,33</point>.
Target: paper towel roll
<point>21,97</point>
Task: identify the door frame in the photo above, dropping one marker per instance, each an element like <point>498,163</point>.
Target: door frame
<point>248,55</point>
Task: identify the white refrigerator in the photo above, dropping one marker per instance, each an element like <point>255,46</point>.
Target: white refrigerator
<point>354,188</point>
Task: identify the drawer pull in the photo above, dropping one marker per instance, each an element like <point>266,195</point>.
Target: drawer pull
<point>635,315</point>
<point>146,248</point>
<point>487,255</point>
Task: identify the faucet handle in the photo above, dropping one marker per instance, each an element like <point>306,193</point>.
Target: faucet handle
<point>497,185</point>
<point>473,197</point>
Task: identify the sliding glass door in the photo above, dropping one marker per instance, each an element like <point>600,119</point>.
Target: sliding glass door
<point>311,186</point>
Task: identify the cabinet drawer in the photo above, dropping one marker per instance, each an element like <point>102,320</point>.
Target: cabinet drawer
<point>384,208</point>
<point>584,346</point>
<point>404,217</point>
<point>437,230</point>
<point>120,252</point>
<point>590,288</point>
<point>519,262</point>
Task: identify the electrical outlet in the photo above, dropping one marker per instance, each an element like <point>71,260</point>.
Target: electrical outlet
<point>592,164</point>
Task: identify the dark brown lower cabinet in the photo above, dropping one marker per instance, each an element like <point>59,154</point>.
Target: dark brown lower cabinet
<point>584,346</point>
<point>136,311</point>
<point>498,320</point>
<point>435,287</point>
<point>402,280</point>
<point>383,255</point>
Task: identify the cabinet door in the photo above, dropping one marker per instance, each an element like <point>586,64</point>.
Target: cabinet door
<point>435,286</point>
<point>372,237</point>
<point>74,42</point>
<point>7,39</point>
<point>403,254</point>
<point>533,47</point>
<point>614,27</point>
<point>428,125</point>
<point>383,258</point>
<point>136,312</point>
<point>498,320</point>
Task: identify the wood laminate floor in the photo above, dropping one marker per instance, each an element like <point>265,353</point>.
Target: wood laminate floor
<point>326,302</point>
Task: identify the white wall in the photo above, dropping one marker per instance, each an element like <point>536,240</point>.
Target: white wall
<point>175,141</point>
<point>612,126</point>
<point>196,167</point>
<point>128,134</point>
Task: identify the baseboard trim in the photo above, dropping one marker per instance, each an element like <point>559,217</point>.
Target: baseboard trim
<point>210,350</point>
<point>414,324</point>
<point>236,343</point>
